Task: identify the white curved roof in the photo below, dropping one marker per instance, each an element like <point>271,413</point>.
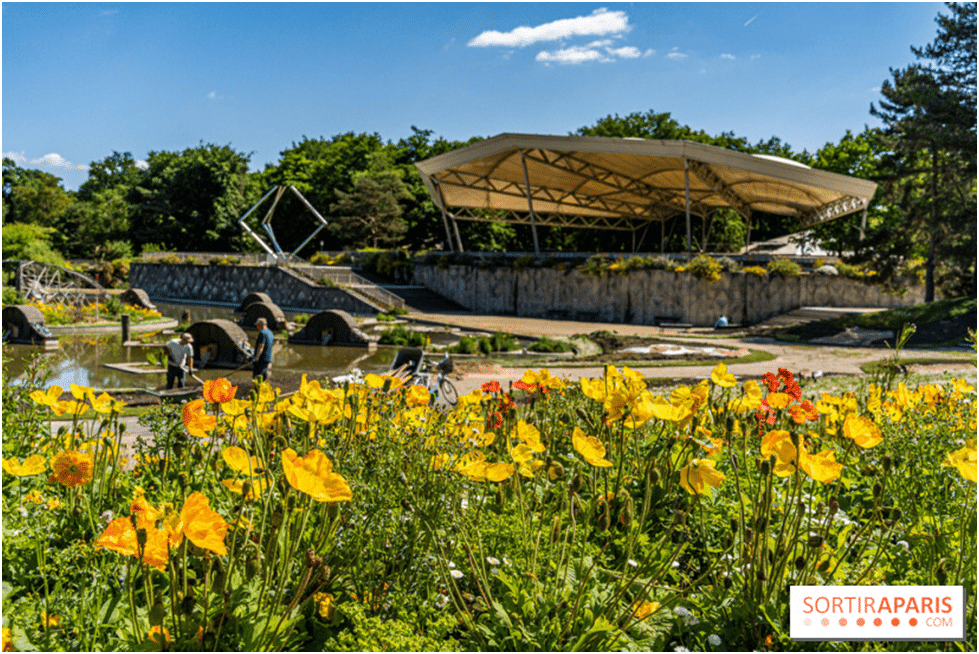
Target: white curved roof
<point>615,183</point>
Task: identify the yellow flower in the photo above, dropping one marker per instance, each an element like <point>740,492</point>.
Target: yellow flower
<point>378,381</point>
<point>80,392</point>
<point>197,422</point>
<point>779,443</point>
<point>313,474</point>
<point>528,468</point>
<point>239,461</point>
<point>8,640</point>
<point>698,475</point>
<point>499,471</point>
<point>73,468</point>
<point>722,377</point>
<point>529,435</point>
<point>590,448</point>
<point>642,609</point>
<point>964,459</point>
<point>521,453</point>
<point>104,403</point>
<point>235,407</point>
<point>670,412</point>
<point>202,525</point>
<point>237,486</point>
<point>822,467</point>
<point>862,431</point>
<point>417,396</point>
<point>146,513</point>
<point>159,636</point>
<point>32,465</point>
<point>50,620</point>
<point>49,398</point>
<point>779,400</point>
<point>325,603</point>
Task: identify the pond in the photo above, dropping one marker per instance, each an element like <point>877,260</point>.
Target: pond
<point>80,358</point>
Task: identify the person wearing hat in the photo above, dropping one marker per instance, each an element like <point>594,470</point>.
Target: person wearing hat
<point>180,359</point>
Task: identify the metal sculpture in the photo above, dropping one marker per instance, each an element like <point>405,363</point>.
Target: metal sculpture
<point>51,284</point>
<point>276,251</point>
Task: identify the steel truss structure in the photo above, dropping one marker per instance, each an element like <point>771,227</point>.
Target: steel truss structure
<point>626,184</point>
<point>51,284</point>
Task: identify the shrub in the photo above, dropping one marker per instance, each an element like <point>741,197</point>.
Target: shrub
<point>301,319</point>
<point>12,296</point>
<point>522,263</point>
<point>784,268</point>
<point>595,266</point>
<point>705,267</point>
<point>546,344</point>
<point>226,260</point>
<point>466,345</point>
<point>497,342</point>
<point>170,257</point>
<point>400,335</point>
<point>728,264</point>
<point>326,281</point>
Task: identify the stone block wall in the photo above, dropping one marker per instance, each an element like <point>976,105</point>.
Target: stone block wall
<point>647,297</point>
<point>177,282</point>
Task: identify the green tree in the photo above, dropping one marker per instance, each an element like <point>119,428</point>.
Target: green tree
<point>32,196</point>
<point>370,212</point>
<point>929,114</point>
<point>192,200</point>
<point>29,243</point>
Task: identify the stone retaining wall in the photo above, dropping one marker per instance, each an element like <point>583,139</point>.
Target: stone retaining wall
<point>647,297</point>
<point>178,282</point>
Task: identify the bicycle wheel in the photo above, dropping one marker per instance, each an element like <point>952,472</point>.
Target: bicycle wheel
<point>448,392</point>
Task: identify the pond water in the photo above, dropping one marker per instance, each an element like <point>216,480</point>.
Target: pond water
<point>80,358</point>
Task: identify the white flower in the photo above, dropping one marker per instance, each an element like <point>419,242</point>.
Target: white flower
<point>492,560</point>
<point>494,571</point>
<point>682,611</point>
<point>506,560</point>
<point>714,640</point>
<point>904,545</point>
<point>451,564</point>
<point>633,563</point>
<point>441,601</point>
<point>107,516</point>
<point>456,574</point>
<point>675,565</point>
<point>680,648</point>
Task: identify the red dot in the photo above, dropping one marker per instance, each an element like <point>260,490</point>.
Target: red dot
<point>913,622</point>
<point>861,622</point>
<point>878,622</point>
<point>895,621</point>
<point>842,622</point>
<point>824,622</point>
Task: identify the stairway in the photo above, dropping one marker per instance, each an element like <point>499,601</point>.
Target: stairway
<point>419,299</point>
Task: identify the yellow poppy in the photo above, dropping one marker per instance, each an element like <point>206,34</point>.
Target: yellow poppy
<point>239,461</point>
<point>822,467</point>
<point>237,486</point>
<point>499,471</point>
<point>49,398</point>
<point>699,475</point>
<point>964,459</point>
<point>862,431</point>
<point>313,474</point>
<point>721,377</point>
<point>202,525</point>
<point>590,448</point>
<point>779,400</point>
<point>196,420</point>
<point>80,392</point>
<point>104,403</point>
<point>529,435</point>
<point>643,609</point>
<point>779,443</point>
<point>417,396</point>
<point>32,465</point>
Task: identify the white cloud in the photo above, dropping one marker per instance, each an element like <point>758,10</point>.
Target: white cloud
<point>751,20</point>
<point>627,52</point>
<point>212,95</point>
<point>142,165</point>
<point>55,160</point>
<point>18,157</point>
<point>675,54</point>
<point>753,57</point>
<point>600,44</point>
<point>649,53</point>
<point>572,55</point>
<point>727,56</point>
<point>601,22</point>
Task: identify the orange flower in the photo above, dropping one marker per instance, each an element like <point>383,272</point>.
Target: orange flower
<point>197,422</point>
<point>73,468</point>
<point>159,636</point>
<point>120,536</point>
<point>32,465</point>
<point>313,474</point>
<point>219,390</point>
<point>146,514</point>
<point>202,525</point>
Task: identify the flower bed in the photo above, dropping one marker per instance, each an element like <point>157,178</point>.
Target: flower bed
<point>556,516</point>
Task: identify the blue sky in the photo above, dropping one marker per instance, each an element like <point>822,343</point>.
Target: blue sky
<point>82,80</point>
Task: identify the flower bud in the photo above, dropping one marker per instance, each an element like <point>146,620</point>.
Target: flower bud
<point>834,506</point>
<point>877,489</point>
<point>141,537</point>
<point>795,439</point>
<point>815,541</point>
<point>603,519</point>
<point>555,530</point>
<point>246,490</point>
<point>182,480</point>
<point>800,562</point>
<point>157,614</point>
<point>187,604</point>
<point>762,523</point>
<point>654,475</point>
<point>729,423</point>
<point>886,463</point>
<point>555,471</point>
<point>252,566</point>
<point>332,510</point>
<point>576,483</point>
<point>734,525</point>
<point>896,514</point>
<point>766,468</point>
<point>869,471</point>
<point>276,518</point>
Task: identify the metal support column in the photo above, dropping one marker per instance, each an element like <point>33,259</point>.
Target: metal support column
<point>445,220</point>
<point>686,193</point>
<point>530,202</point>
<point>455,226</point>
<point>863,223</point>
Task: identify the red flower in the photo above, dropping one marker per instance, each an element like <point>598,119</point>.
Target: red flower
<point>506,402</point>
<point>491,387</point>
<point>520,385</point>
<point>494,420</point>
<point>786,376</point>
<point>793,389</point>
<point>771,381</point>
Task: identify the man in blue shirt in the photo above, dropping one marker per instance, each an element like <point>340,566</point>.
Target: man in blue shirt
<point>263,350</point>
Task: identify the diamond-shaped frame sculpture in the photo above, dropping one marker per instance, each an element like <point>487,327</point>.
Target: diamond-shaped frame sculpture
<point>266,223</point>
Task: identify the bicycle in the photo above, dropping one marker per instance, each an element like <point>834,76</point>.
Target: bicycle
<point>438,385</point>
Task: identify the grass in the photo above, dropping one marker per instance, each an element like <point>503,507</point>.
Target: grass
<point>919,314</point>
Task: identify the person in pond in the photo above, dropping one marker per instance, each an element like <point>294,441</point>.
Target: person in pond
<point>180,359</point>
<point>263,350</point>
